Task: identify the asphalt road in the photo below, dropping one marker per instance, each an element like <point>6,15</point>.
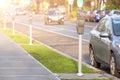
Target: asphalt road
<point>68,29</point>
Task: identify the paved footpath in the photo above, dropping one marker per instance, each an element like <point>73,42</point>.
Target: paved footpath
<point>17,64</point>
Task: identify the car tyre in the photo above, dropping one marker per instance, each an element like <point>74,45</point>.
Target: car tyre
<point>93,60</point>
<point>113,70</point>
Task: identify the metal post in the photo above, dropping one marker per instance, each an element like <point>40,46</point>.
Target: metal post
<point>5,22</point>
<point>30,34</point>
<point>13,25</point>
<point>80,56</point>
<point>68,9</point>
<point>30,28</point>
<point>80,31</point>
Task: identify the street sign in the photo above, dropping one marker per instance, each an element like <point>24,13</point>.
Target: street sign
<point>80,3</point>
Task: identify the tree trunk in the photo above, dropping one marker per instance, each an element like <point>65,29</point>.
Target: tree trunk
<point>38,5</point>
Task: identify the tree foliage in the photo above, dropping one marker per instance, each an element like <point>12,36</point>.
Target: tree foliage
<point>113,4</point>
<point>54,3</point>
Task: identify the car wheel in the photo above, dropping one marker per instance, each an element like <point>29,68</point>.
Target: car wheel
<point>92,59</point>
<point>113,70</point>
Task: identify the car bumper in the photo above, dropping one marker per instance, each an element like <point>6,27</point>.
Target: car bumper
<point>55,20</point>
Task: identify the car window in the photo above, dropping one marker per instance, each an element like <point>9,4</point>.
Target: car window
<point>101,26</point>
<point>107,26</point>
<point>116,26</point>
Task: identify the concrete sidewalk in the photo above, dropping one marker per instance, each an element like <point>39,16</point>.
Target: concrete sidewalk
<point>17,64</point>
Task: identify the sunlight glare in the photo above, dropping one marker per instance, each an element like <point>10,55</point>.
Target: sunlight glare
<point>3,3</point>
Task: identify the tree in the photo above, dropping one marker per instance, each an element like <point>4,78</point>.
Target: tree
<point>38,5</point>
<point>113,4</point>
<point>54,3</point>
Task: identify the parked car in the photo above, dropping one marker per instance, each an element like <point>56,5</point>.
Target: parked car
<point>97,15</point>
<point>104,44</point>
<point>105,13</point>
<point>114,12</point>
<point>89,16</point>
<point>54,15</point>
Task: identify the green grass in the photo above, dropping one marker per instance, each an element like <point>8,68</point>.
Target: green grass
<point>49,58</point>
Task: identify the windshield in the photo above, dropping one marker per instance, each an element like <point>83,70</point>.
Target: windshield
<point>116,26</point>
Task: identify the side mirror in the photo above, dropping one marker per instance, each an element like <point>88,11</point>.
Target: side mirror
<point>104,34</point>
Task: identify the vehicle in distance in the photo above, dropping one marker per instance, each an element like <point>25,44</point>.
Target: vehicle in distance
<point>20,11</point>
<point>89,16</point>
<point>97,15</point>
<point>104,44</point>
<point>114,12</point>
<point>53,15</point>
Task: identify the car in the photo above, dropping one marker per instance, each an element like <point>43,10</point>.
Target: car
<point>20,11</point>
<point>54,15</point>
<point>62,9</point>
<point>104,45</point>
<point>89,16</point>
<point>105,13</point>
<point>97,15</point>
<point>114,12</point>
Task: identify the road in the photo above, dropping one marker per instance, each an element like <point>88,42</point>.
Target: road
<point>68,29</point>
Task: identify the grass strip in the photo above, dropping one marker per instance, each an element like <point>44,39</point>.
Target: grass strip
<point>52,60</point>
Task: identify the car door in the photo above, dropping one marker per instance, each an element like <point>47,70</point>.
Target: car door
<point>97,40</point>
<point>105,43</point>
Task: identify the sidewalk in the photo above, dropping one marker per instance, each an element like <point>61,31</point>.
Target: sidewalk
<point>17,64</point>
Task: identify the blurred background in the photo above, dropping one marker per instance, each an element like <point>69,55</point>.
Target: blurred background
<point>65,6</point>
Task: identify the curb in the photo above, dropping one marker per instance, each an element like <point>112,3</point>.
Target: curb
<point>84,77</point>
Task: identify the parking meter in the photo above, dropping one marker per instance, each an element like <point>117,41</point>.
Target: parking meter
<point>80,22</point>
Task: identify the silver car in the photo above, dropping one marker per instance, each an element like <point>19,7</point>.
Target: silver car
<point>54,16</point>
<point>104,44</point>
